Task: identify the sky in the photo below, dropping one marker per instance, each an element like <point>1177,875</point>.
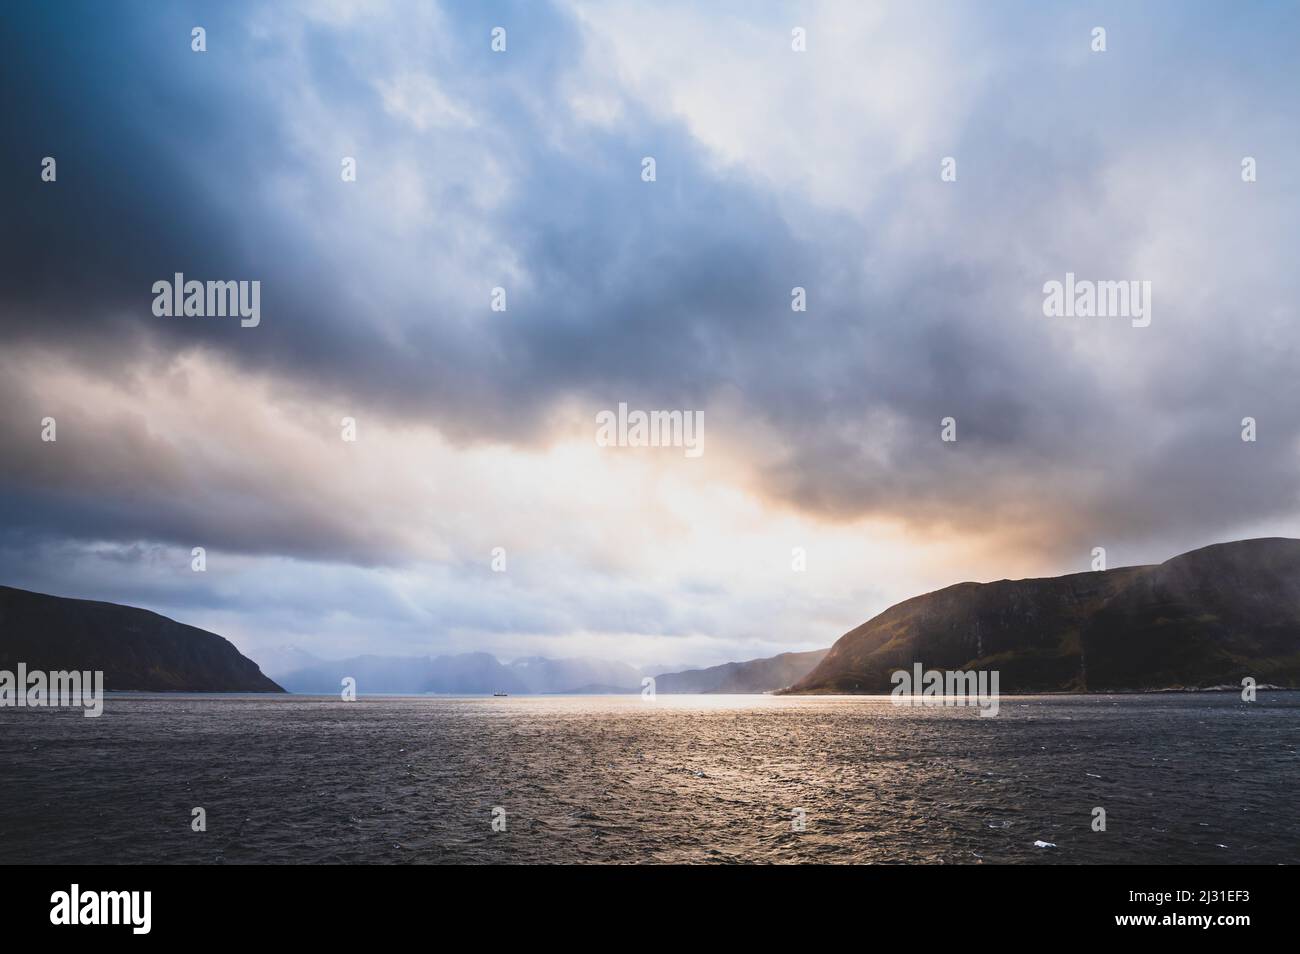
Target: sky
<point>822,168</point>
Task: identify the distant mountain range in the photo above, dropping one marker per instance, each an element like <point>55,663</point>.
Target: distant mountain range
<point>1205,618</point>
<point>756,675</point>
<point>136,649</point>
<point>463,673</point>
<point>475,673</point>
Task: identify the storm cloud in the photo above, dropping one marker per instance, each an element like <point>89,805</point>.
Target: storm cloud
<point>522,170</point>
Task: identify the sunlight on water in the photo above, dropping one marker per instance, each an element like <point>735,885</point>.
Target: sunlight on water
<point>1183,778</point>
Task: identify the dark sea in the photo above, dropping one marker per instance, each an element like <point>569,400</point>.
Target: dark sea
<point>1183,778</point>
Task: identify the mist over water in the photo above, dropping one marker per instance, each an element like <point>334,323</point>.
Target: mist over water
<point>1201,778</point>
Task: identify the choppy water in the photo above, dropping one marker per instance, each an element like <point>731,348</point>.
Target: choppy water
<point>1199,778</point>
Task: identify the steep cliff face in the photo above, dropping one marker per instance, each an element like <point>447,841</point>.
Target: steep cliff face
<point>136,649</point>
<point>1209,616</point>
<point>1204,618</point>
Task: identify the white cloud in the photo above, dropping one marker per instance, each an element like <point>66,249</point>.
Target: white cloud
<point>880,88</point>
<point>418,98</point>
